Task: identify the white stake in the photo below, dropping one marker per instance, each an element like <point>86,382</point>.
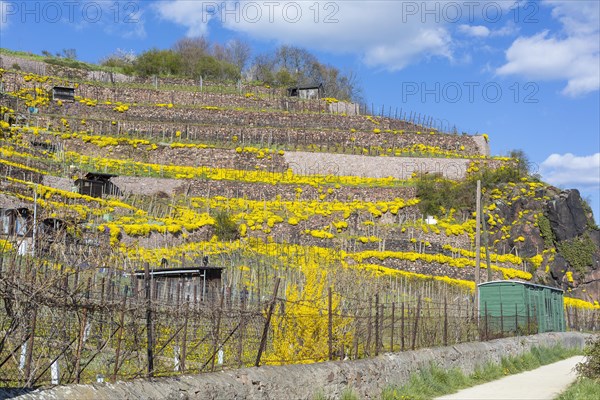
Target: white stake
<point>54,372</point>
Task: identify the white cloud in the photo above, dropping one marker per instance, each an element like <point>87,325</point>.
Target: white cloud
<point>387,34</point>
<point>574,55</point>
<point>507,30</point>
<point>384,34</point>
<point>194,15</point>
<point>570,170</point>
<point>426,42</point>
<point>474,30</point>
<point>578,17</point>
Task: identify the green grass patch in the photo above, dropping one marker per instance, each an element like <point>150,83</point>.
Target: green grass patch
<point>22,54</point>
<point>59,61</point>
<point>347,394</point>
<point>433,381</point>
<point>582,389</point>
<point>579,252</point>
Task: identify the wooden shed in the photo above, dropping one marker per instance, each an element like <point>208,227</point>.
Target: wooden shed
<point>306,91</point>
<point>173,285</point>
<point>63,93</point>
<point>97,185</point>
<point>509,306</point>
<point>16,222</point>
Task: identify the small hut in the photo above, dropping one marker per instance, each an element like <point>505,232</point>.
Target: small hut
<point>63,93</point>
<point>513,306</point>
<point>97,185</point>
<point>174,285</point>
<point>16,222</point>
<point>306,91</point>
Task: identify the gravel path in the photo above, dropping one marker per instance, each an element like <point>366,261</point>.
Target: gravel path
<point>544,383</point>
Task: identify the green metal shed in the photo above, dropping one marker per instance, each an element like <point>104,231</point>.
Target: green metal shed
<point>510,306</point>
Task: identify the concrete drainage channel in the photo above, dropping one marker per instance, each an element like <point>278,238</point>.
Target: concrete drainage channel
<point>366,377</point>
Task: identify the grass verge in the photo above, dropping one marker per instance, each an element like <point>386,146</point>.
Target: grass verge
<point>582,389</point>
<point>434,381</point>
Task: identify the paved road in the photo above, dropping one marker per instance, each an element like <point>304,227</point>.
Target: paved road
<point>544,383</point>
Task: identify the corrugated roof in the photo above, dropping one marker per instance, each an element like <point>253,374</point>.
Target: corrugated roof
<point>522,283</point>
<point>176,271</point>
<point>304,87</point>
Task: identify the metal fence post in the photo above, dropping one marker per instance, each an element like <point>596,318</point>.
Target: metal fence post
<point>486,321</point>
<point>329,323</point>
<point>149,327</point>
<point>376,324</point>
<point>445,322</point>
<point>416,326</point>
<point>393,321</point>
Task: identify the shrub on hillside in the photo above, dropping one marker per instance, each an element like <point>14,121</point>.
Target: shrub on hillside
<point>210,68</point>
<point>158,62</point>
<point>590,368</point>
<point>225,227</point>
<point>435,191</point>
<point>68,62</point>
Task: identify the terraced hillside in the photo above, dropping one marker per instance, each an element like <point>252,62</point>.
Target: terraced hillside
<point>295,200</point>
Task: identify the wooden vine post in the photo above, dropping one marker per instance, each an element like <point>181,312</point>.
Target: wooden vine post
<point>263,340</point>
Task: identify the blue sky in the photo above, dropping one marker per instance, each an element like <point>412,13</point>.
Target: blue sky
<point>525,72</point>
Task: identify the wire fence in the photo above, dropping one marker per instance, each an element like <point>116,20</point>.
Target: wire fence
<point>63,325</point>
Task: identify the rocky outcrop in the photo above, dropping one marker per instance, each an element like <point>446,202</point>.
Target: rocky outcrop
<point>567,216</point>
<point>558,220</point>
<point>559,267</point>
<point>578,244</point>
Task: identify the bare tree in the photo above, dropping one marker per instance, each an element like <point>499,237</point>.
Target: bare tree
<point>345,87</point>
<point>263,69</point>
<point>297,61</point>
<point>219,52</point>
<point>238,53</point>
<point>197,45</point>
<point>70,54</point>
<point>291,65</point>
<point>120,58</point>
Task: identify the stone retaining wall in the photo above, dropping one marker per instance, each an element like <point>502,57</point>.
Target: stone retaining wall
<point>366,377</point>
<point>374,167</point>
<point>291,136</point>
<point>177,92</point>
<point>42,68</point>
<point>264,112</point>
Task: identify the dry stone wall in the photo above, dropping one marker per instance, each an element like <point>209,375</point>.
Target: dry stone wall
<point>271,120</point>
<point>482,144</point>
<point>188,91</point>
<point>233,189</point>
<point>42,68</point>
<point>226,116</point>
<point>339,139</point>
<point>343,107</point>
<point>164,154</point>
<point>264,191</point>
<point>292,106</point>
<point>197,97</point>
<point>375,167</point>
<point>366,377</point>
<point>178,92</point>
